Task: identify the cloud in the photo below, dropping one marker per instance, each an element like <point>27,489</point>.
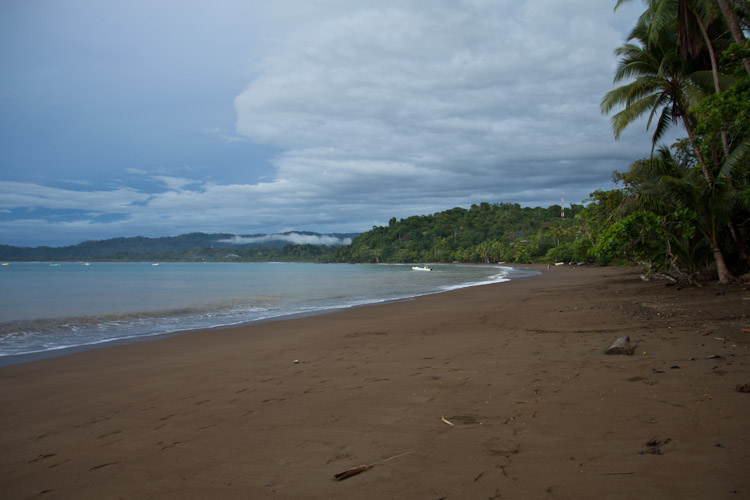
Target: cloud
<point>293,238</point>
<point>31,196</point>
<point>224,135</point>
<point>175,183</point>
<point>410,102</point>
<point>55,216</point>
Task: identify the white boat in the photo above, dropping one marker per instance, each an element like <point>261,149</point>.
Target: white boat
<point>423,267</point>
<point>155,264</point>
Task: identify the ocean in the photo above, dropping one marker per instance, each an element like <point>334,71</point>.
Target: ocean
<point>50,307</point>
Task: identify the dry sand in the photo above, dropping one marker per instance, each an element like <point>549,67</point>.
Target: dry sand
<point>538,411</point>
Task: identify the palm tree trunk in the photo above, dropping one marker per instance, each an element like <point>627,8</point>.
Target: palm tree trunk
<point>697,151</point>
<point>715,73</point>
<point>725,276</point>
<point>734,27</point>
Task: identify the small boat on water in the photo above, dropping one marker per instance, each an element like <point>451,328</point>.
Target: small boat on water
<point>423,267</point>
<point>155,264</point>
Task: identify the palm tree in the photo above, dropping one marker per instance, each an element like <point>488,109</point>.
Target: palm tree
<point>734,27</point>
<point>666,186</point>
<point>663,86</point>
<point>694,19</point>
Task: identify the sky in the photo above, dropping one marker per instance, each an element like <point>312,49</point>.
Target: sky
<point>164,117</point>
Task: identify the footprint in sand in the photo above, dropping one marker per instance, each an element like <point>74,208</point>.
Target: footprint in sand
<point>101,466</point>
<point>109,434</point>
<point>170,446</point>
<point>41,457</point>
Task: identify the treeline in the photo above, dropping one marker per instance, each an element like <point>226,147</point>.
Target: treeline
<point>484,233</point>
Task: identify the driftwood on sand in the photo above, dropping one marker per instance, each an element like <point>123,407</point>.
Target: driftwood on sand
<point>362,468</point>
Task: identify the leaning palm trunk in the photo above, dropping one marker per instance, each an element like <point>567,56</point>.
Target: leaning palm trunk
<point>734,27</point>
<point>698,153</point>
<point>715,73</point>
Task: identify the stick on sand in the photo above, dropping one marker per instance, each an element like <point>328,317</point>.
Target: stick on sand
<point>361,468</point>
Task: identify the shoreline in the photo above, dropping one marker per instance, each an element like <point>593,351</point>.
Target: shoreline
<point>518,368</point>
<point>26,357</point>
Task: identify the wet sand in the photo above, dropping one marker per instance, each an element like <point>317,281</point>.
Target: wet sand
<point>537,410</point>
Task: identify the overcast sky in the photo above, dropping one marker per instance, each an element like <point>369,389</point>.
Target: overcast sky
<point>157,118</point>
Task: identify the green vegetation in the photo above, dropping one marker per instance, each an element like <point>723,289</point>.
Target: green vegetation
<point>484,233</point>
<point>684,209</point>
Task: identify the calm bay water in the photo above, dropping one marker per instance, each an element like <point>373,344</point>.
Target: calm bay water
<point>48,307</point>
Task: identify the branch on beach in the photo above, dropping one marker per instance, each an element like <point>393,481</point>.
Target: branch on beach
<point>362,468</point>
<point>352,472</point>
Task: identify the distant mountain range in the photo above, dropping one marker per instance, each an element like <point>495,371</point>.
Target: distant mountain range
<point>132,248</point>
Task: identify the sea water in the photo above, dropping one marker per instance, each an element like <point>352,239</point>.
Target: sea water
<point>49,307</point>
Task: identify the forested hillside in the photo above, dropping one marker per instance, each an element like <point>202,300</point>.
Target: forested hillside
<point>186,247</point>
<point>483,233</point>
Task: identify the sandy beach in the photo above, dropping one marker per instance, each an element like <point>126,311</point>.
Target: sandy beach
<point>497,391</point>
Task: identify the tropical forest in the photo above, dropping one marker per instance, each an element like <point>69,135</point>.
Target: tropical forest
<point>683,208</point>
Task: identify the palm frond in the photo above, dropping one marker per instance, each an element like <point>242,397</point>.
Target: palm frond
<point>631,113</point>
<point>704,80</point>
<point>668,118</point>
<point>663,20</point>
<point>737,162</point>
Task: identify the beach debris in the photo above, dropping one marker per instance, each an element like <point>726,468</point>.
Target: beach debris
<point>352,472</point>
<point>621,346</point>
<point>446,421</point>
<point>296,361</point>
<point>743,388</point>
<point>653,446</point>
<point>713,356</point>
<point>362,468</point>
